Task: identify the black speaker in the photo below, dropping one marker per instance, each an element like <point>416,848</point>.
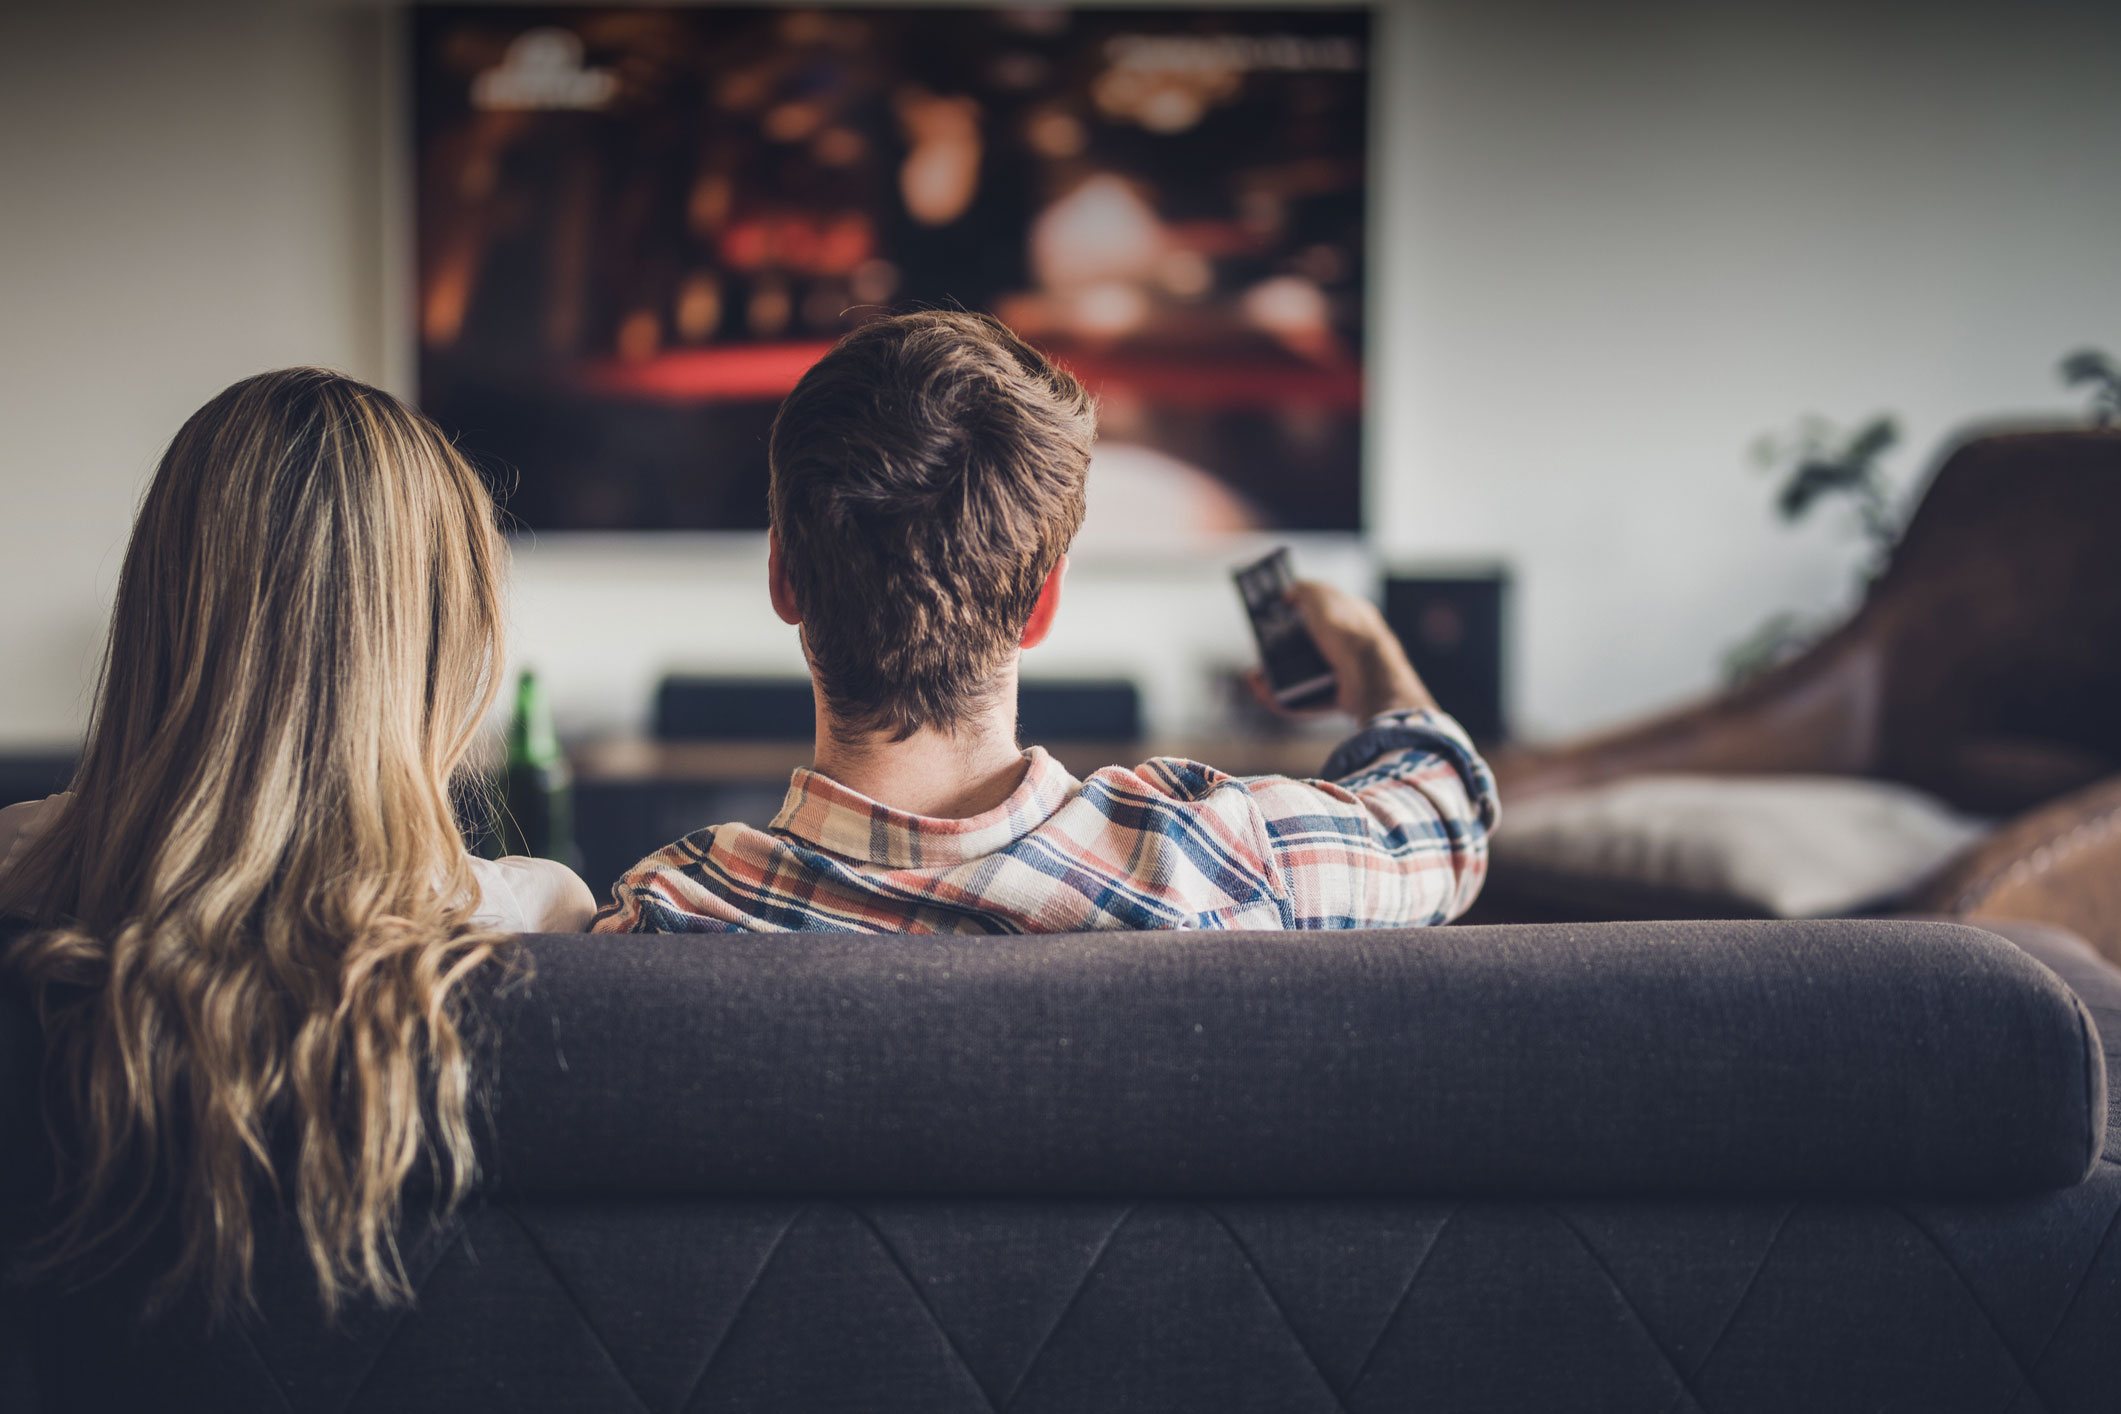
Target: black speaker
<point>1079,709</point>
<point>783,709</point>
<point>35,775</point>
<point>735,709</point>
<point>1452,626</point>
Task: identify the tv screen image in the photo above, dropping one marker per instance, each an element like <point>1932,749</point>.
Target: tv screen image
<point>638,227</point>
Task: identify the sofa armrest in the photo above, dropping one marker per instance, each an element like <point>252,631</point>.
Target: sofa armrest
<point>2097,983</point>
<point>1816,714</point>
<point>2058,864</point>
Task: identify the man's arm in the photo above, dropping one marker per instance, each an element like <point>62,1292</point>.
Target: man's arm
<point>623,913</point>
<point>1400,834</point>
<point>640,900</point>
<point>674,891</point>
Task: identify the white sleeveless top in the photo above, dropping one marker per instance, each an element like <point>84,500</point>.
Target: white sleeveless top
<point>516,895</point>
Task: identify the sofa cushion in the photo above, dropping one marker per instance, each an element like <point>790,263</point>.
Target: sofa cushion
<point>1730,846</point>
<point>1284,1306</point>
<point>1880,1056</point>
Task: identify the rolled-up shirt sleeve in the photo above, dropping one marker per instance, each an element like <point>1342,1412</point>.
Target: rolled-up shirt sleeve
<point>1396,833</point>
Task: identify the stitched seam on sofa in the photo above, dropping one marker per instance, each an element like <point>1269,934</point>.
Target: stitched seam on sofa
<point>272,1379</point>
<point>360,1387</point>
<point>2076,1292</point>
<point>2025,1374</point>
<point>1745,1293</point>
<point>1259,1276</point>
<point>1686,1386</point>
<point>581,1313</point>
<point>921,1298</point>
<point>2094,1072</point>
<point>692,1390</point>
<point>249,1341</point>
<point>1406,1291</point>
<point>1097,1260</point>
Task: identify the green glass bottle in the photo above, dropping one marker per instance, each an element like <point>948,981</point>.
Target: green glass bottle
<point>537,797</point>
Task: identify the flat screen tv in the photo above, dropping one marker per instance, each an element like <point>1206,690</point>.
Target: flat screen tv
<point>637,227</point>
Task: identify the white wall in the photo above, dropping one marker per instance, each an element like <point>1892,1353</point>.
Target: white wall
<point>1624,238</point>
<point>1614,243</point>
<point>187,195</point>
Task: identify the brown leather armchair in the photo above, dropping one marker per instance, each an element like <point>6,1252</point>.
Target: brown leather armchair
<point>1984,667</point>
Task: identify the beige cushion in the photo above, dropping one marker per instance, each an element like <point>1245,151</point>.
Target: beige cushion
<point>1784,846</point>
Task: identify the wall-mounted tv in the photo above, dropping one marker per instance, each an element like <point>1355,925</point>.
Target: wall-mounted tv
<point>637,227</point>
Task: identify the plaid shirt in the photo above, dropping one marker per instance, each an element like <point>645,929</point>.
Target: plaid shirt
<point>1397,836</point>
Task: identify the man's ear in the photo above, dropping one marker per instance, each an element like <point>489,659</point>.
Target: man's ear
<point>777,582</point>
<point>1042,613</point>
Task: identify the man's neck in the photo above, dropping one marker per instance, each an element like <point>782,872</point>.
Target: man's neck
<point>949,776</point>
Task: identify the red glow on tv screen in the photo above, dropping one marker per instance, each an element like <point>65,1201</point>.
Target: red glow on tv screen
<point>637,227</point>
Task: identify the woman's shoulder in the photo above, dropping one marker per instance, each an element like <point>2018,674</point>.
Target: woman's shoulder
<point>22,822</point>
<point>522,895</point>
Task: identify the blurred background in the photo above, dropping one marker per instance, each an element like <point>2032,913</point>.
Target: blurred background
<point>1490,294</point>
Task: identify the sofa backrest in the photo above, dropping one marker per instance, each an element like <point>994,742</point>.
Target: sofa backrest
<point>1647,1059</point>
<point>1660,1059</point>
<point>1871,1057</point>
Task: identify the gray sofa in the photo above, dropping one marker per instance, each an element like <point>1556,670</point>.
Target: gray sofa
<point>1642,1167</point>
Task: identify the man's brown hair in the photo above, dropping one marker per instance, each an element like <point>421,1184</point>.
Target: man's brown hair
<point>927,477</point>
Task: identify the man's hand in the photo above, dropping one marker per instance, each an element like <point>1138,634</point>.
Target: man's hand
<point>1352,637</point>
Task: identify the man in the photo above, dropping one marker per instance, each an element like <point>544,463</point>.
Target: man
<point>927,477</point>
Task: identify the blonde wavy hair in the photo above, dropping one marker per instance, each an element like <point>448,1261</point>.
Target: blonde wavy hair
<point>253,919</point>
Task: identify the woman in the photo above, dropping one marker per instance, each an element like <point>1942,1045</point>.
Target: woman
<point>252,917</point>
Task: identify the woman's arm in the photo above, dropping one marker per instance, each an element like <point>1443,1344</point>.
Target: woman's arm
<point>522,895</point>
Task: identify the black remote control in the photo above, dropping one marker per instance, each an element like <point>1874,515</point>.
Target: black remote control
<point>1296,671</point>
